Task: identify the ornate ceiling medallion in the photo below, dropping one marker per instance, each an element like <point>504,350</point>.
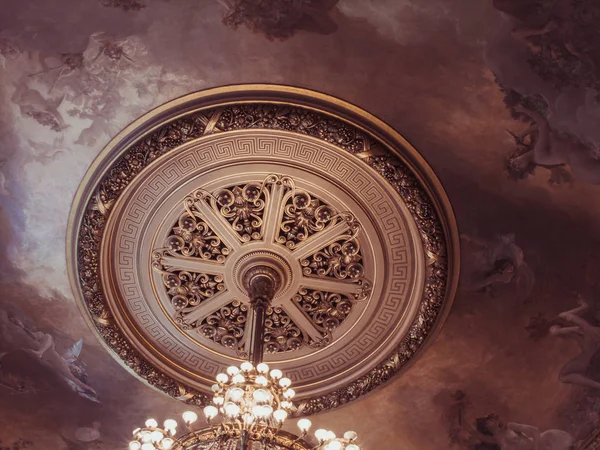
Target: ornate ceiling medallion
<point>180,207</point>
<point>194,260</point>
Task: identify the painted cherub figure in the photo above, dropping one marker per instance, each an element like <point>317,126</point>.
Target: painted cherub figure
<point>588,338</point>
<point>280,19</point>
<point>17,336</point>
<point>516,436</point>
<point>495,262</point>
<point>552,150</point>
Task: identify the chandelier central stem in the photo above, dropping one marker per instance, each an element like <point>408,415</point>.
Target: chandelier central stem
<point>262,283</point>
<point>244,445</point>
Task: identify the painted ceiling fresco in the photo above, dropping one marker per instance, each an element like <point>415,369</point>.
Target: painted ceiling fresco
<point>501,98</point>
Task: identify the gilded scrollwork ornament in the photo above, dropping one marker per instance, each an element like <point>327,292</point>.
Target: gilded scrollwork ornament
<point>303,216</point>
<point>225,326</point>
<point>341,259</point>
<point>281,333</point>
<point>243,207</point>
<point>327,310</point>
<point>297,119</point>
<point>283,180</point>
<point>193,237</point>
<point>186,290</point>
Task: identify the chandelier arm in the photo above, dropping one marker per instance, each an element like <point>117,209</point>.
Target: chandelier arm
<point>299,438</point>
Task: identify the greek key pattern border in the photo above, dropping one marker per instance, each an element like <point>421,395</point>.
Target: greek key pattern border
<point>221,149</point>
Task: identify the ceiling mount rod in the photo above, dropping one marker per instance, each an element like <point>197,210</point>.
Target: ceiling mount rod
<point>262,282</point>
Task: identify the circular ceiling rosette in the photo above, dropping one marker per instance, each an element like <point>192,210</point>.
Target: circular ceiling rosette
<point>179,205</point>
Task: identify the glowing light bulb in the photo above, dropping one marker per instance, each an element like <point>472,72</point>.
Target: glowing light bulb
<point>330,435</point>
<point>257,411</point>
<point>262,368</point>
<point>151,423</point>
<point>289,394</point>
<point>210,412</point>
<point>232,370</point>
<point>135,445</point>
<point>304,425</point>
<point>261,380</point>
<point>276,374</point>
<point>167,443</point>
<point>261,395</point>
<point>352,447</point>
<point>218,400</point>
<point>157,436</point>
<point>222,378</point>
<point>287,405</point>
<point>238,379</point>
<point>350,435</point>
<point>246,366</point>
<point>321,434</point>
<point>148,446</point>
<point>280,415</point>
<point>136,431</point>
<point>231,409</point>
<point>334,445</point>
<point>262,411</point>
<point>285,382</point>
<point>190,416</point>
<point>248,419</point>
<point>235,394</point>
<point>146,436</point>
<point>170,424</point>
<point>216,388</point>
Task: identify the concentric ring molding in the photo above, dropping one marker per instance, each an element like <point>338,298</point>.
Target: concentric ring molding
<point>334,150</point>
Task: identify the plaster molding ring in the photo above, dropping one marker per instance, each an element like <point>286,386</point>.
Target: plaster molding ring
<point>290,117</point>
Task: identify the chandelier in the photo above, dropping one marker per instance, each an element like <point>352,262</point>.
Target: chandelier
<point>251,401</point>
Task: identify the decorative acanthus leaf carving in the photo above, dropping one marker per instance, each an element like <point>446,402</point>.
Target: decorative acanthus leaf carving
<point>341,260</point>
<point>327,310</point>
<point>187,290</point>
<point>225,326</point>
<point>281,333</point>
<point>192,236</point>
<point>243,207</point>
<point>303,216</point>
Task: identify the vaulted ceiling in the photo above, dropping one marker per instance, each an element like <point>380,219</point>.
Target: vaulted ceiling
<point>501,99</point>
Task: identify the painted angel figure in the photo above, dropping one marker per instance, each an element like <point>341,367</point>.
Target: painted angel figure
<point>16,336</point>
<point>516,436</point>
<point>43,110</point>
<point>495,262</point>
<point>552,150</point>
<point>280,19</point>
<point>588,338</point>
